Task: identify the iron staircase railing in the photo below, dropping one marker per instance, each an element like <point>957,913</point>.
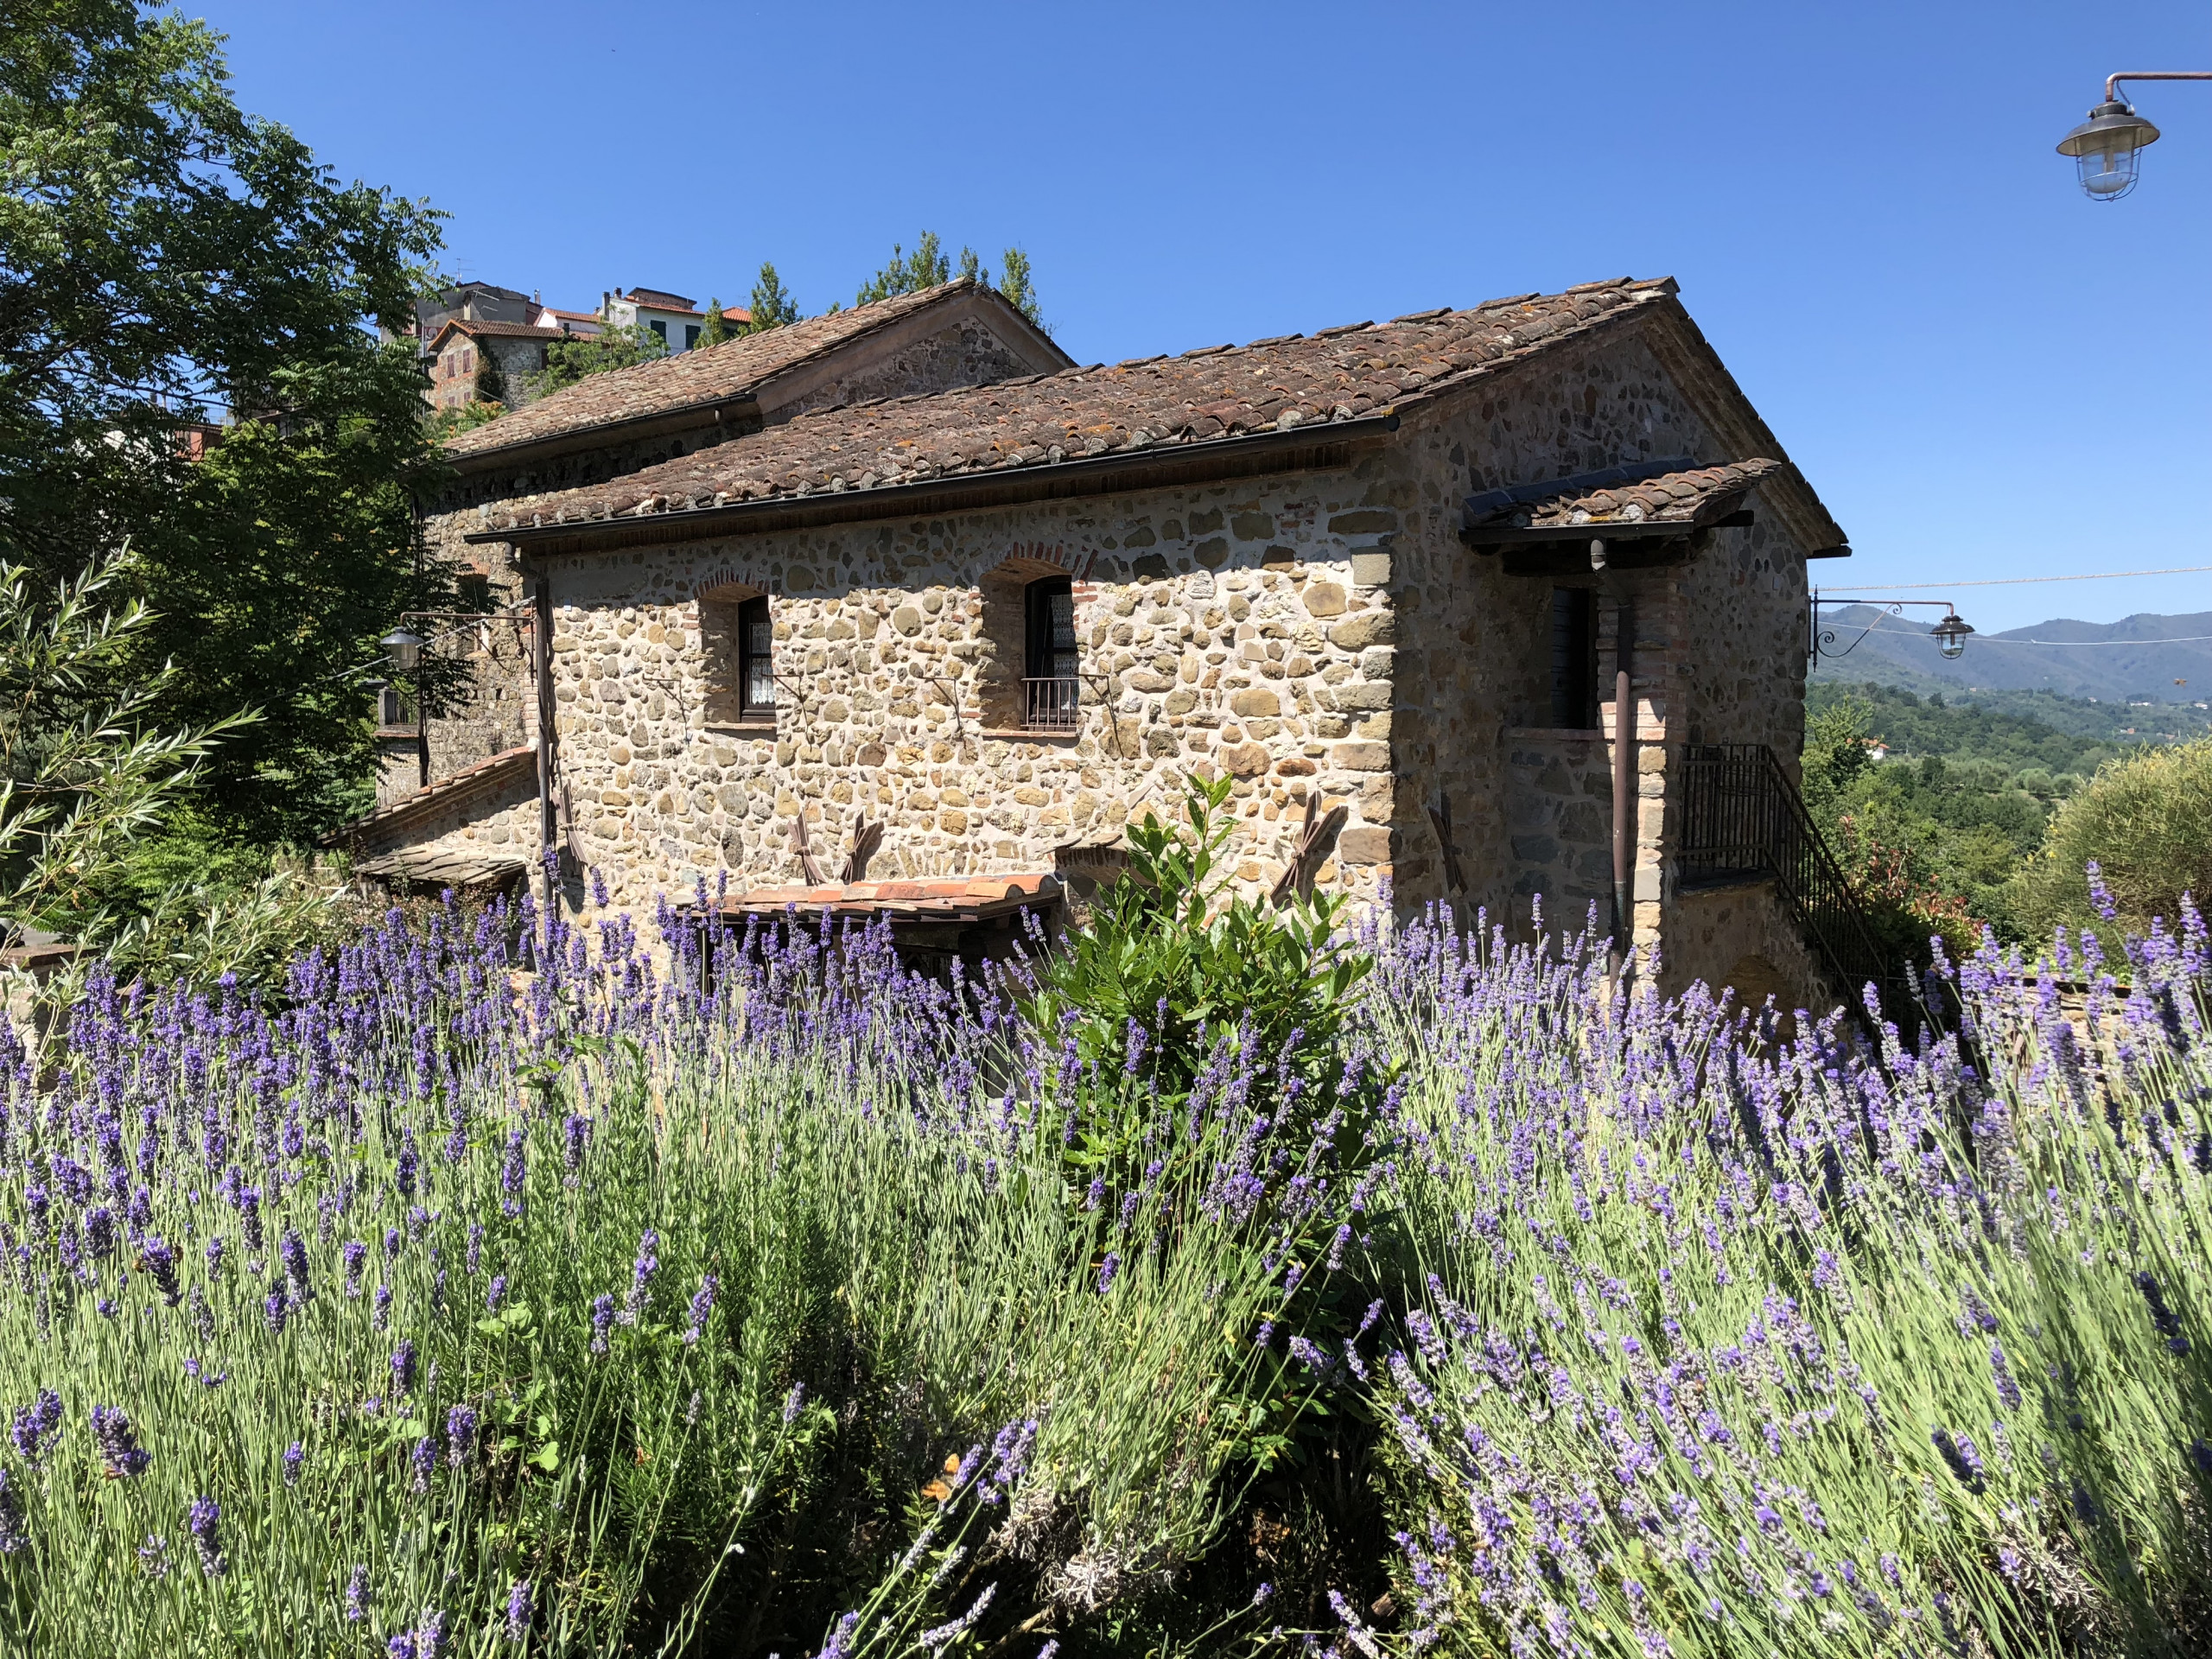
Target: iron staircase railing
<point>1743,817</point>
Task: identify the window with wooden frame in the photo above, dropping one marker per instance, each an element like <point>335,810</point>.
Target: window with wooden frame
<point>737,638</point>
<point>756,668</point>
<point>1050,692</point>
<point>1574,659</point>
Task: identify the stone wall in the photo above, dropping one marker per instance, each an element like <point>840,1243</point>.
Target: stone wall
<point>498,709</point>
<point>1743,938</point>
<point>1222,627</point>
<point>1531,808</point>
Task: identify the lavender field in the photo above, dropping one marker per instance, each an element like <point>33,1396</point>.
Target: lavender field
<point>494,1290</point>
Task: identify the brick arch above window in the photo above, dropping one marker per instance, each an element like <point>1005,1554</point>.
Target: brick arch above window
<point>1027,562</point>
<point>727,591</point>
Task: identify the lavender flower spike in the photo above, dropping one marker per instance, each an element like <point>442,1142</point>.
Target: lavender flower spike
<point>203,1520</point>
<point>119,1443</point>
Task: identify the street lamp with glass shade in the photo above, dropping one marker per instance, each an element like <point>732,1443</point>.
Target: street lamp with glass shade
<point>2106,148</point>
<point>1951,635</point>
<point>404,646</point>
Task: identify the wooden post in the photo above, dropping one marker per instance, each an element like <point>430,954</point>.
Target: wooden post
<point>542,661</point>
<point>1624,778</point>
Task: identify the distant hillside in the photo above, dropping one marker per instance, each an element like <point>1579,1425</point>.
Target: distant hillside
<point>2016,731</point>
<point>2145,658</point>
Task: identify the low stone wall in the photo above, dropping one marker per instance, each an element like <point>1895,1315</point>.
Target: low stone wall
<point>1743,935</point>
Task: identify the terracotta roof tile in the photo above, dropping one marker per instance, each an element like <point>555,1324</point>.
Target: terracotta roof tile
<point>485,774</point>
<point>1671,497</point>
<point>957,896</point>
<point>1200,397</point>
<point>504,330</point>
<point>733,370</point>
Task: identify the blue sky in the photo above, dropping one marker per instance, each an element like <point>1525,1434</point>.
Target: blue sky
<point>1984,374</point>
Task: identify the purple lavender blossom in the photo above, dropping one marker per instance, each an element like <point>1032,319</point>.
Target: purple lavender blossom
<point>495,1294</point>
<point>292,1251</point>
<point>1965,1461</point>
<point>2167,1322</point>
<point>422,1460</point>
<point>518,1611</point>
<point>511,1175</point>
<point>13,1533</point>
<point>703,1303</point>
<point>380,1308</point>
<point>355,1256</point>
<point>602,1319</point>
<point>1107,1269</point>
<point>641,1276</point>
<point>403,1367</point>
<point>408,1163</point>
<point>203,1520</point>
<point>274,1309</point>
<point>357,1593</point>
<point>2007,1390</point>
<point>37,1424</point>
<point>157,1260</point>
<point>120,1453</point>
<point>295,1456</point>
<point>576,1134</point>
<point>461,1434</point>
<point>797,1398</point>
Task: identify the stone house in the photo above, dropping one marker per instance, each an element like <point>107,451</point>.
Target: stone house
<point>904,595</point>
<point>474,362</point>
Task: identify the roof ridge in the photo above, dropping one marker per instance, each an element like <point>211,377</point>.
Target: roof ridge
<point>1083,415</point>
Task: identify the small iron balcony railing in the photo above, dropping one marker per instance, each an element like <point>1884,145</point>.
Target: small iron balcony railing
<point>1743,817</point>
<point>1051,705</point>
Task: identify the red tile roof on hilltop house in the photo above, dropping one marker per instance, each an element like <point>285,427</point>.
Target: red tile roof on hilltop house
<point>732,371</point>
<point>497,330</point>
<point>1152,406</point>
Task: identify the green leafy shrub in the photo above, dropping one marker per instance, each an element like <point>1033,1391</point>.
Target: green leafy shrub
<point>2145,823</point>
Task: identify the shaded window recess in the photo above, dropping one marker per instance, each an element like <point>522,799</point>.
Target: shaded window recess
<point>756,669</point>
<point>1574,659</point>
<point>1050,692</point>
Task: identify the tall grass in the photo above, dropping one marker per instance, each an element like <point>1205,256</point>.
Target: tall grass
<point>508,1287</point>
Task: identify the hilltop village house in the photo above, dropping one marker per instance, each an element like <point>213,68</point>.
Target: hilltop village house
<point>899,610</point>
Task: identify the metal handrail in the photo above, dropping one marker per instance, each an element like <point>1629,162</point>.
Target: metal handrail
<point>1742,816</point>
<point>1052,704</point>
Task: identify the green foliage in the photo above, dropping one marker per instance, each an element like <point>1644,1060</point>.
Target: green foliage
<point>460,418</point>
<point>2146,823</point>
<point>908,273</point>
<point>2016,732</point>
<point>772,304</point>
<point>162,252</point>
<point>83,775</point>
<point>927,266</point>
<point>191,903</point>
<point>1167,980</point>
<point>1018,286</point>
<point>718,328</point>
<point>616,346</point>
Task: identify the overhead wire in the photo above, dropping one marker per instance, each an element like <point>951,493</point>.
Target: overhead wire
<point>2015,582</point>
